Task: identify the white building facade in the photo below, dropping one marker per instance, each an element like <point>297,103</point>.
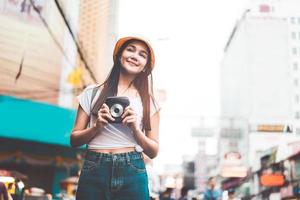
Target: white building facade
<point>260,75</point>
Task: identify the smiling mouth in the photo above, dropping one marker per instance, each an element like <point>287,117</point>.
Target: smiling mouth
<point>132,63</point>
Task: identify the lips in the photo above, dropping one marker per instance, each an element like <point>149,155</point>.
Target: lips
<point>132,62</point>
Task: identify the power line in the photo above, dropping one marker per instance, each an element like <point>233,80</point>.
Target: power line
<point>75,41</point>
<point>58,44</point>
<point>50,31</point>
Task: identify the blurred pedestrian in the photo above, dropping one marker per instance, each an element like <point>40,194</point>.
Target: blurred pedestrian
<point>167,194</point>
<point>4,195</point>
<point>231,195</point>
<point>153,179</point>
<point>3,192</point>
<point>211,193</point>
<point>114,166</point>
<point>183,192</point>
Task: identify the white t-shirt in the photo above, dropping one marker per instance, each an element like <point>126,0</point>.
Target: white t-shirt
<point>113,135</point>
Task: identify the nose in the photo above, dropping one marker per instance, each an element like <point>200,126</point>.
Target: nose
<point>133,57</point>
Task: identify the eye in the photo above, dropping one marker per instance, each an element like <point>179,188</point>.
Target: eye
<point>131,49</point>
<point>143,55</point>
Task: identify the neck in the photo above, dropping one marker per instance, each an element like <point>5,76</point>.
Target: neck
<point>125,79</point>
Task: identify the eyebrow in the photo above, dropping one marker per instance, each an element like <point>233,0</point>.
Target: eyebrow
<point>143,51</point>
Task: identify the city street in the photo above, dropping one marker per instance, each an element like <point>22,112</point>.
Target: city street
<point>172,99</point>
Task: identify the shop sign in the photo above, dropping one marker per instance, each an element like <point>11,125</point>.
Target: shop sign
<point>234,171</point>
<point>232,159</point>
<point>274,128</point>
<point>271,180</point>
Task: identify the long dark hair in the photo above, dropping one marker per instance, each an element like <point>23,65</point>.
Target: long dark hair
<point>141,83</point>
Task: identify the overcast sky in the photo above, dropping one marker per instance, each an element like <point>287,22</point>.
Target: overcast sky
<point>188,39</point>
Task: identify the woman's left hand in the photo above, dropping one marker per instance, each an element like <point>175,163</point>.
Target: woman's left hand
<point>130,118</point>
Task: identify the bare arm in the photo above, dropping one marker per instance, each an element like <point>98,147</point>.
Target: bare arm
<point>82,135</point>
<point>148,142</point>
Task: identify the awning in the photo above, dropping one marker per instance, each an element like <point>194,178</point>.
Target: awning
<point>34,121</point>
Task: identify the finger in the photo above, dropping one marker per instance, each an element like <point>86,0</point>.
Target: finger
<point>104,109</point>
<point>128,113</point>
<point>131,121</point>
<point>104,105</point>
<point>129,118</point>
<point>107,116</point>
<point>128,107</point>
<point>102,120</point>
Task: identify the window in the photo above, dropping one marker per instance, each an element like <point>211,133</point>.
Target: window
<point>295,66</point>
<point>296,82</point>
<point>297,115</point>
<point>298,20</point>
<point>298,35</point>
<point>294,50</point>
<point>293,35</point>
<point>292,20</point>
<point>297,99</point>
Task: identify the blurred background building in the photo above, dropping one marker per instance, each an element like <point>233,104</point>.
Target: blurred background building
<point>259,87</point>
<point>50,51</point>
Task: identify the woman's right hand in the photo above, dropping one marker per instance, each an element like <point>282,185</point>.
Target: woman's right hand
<point>103,117</point>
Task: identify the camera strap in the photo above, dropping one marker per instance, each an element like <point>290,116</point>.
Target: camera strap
<point>94,92</point>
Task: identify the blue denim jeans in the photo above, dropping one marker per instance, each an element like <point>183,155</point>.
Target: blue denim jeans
<point>113,177</point>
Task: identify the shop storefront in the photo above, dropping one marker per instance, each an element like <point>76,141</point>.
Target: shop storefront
<point>34,140</point>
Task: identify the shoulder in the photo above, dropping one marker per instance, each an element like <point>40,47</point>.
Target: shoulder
<point>85,97</point>
<point>91,87</point>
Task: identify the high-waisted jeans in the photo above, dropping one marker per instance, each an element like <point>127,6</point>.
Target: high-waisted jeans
<point>120,176</point>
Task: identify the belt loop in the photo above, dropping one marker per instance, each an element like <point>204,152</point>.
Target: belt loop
<point>127,158</point>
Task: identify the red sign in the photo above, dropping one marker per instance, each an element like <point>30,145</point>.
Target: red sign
<point>264,8</point>
<point>271,180</point>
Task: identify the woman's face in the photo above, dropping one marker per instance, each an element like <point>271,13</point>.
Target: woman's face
<point>134,57</point>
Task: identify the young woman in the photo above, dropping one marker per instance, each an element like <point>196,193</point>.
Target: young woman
<point>114,166</point>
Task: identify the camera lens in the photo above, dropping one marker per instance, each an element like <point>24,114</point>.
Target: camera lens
<point>116,110</point>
